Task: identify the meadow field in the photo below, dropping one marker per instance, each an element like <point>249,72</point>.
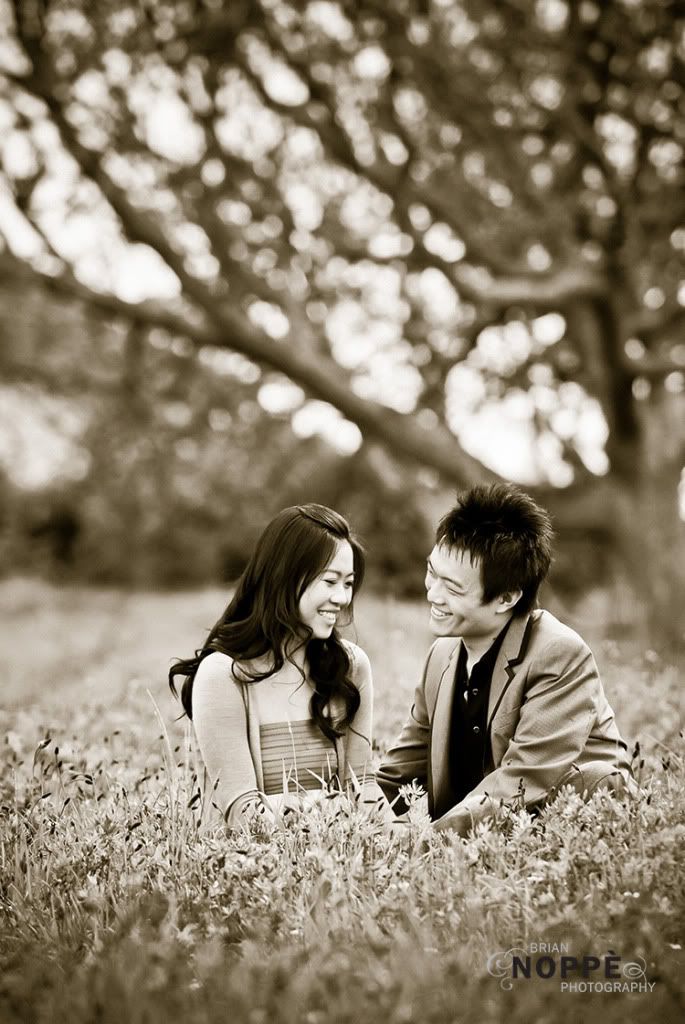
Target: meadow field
<point>118,904</point>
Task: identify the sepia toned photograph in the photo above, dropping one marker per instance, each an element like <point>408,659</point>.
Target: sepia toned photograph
<point>342,511</point>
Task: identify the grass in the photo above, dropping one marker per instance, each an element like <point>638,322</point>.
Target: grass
<point>117,903</point>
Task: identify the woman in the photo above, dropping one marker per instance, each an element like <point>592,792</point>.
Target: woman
<point>280,704</point>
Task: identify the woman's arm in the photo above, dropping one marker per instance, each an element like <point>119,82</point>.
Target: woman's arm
<point>220,722</point>
<point>360,732</point>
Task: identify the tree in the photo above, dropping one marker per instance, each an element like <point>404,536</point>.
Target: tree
<point>358,193</point>
<point>164,468</point>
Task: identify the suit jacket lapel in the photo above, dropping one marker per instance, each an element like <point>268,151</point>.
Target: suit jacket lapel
<point>510,656</point>
<point>441,722</point>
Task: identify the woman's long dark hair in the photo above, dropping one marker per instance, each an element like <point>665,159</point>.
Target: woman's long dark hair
<point>263,618</point>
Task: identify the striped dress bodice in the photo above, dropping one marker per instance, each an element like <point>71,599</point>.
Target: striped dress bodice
<point>296,756</point>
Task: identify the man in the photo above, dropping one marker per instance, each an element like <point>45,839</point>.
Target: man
<point>510,706</point>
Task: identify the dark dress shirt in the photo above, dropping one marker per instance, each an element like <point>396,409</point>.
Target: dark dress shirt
<point>469,743</point>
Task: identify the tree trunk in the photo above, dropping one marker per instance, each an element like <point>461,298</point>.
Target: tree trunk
<point>637,527</point>
<point>652,522</point>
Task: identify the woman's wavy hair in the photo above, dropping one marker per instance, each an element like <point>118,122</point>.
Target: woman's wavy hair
<point>262,617</point>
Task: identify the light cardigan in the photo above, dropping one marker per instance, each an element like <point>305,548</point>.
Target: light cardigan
<point>227,727</point>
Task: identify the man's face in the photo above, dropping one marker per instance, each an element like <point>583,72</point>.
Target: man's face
<point>455,594</point>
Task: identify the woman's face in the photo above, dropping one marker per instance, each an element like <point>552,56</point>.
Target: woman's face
<point>328,593</point>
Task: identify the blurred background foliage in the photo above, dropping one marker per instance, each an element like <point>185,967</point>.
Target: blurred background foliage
<point>257,253</point>
<point>170,469</point>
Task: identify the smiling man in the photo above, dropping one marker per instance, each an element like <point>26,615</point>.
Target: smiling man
<point>510,706</point>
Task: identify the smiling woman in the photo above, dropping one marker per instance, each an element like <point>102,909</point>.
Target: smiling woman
<point>325,597</point>
<point>280,704</point>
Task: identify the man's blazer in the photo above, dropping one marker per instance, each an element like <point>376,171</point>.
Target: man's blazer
<point>547,714</point>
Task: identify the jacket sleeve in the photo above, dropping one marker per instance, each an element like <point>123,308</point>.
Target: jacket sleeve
<point>554,723</point>
<point>220,723</point>
<point>407,759</point>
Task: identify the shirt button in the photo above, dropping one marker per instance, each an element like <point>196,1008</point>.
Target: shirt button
<point>476,729</point>
<point>474,691</point>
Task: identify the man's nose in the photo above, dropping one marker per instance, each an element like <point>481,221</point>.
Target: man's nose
<point>433,592</point>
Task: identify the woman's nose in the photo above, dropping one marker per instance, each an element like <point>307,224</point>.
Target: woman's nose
<point>341,594</point>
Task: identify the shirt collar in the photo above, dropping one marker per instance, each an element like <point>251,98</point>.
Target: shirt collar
<point>487,660</point>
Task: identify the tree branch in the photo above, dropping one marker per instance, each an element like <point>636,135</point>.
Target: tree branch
<point>652,324</point>
<point>436,448</point>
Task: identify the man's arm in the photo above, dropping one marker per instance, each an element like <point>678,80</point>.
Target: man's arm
<point>555,721</point>
<point>407,759</point>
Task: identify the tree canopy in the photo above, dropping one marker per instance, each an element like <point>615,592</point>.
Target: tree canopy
<point>407,209</point>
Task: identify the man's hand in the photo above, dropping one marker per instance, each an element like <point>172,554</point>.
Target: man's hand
<point>457,822</point>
